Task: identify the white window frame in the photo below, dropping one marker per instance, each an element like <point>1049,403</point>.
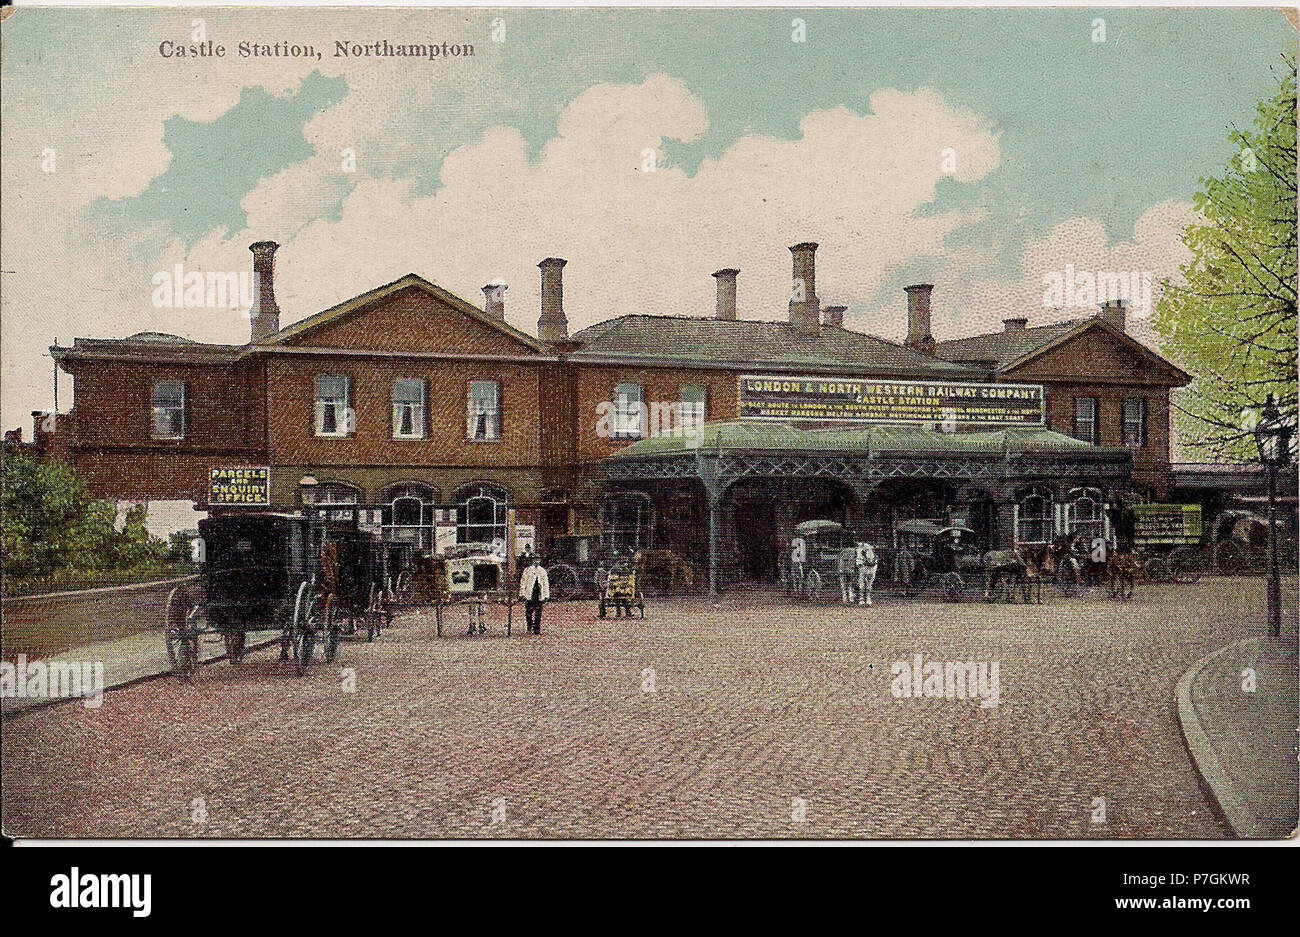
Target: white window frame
<point>1141,421</point>
<point>1094,526</point>
<point>341,407</point>
<point>476,413</point>
<point>466,499</point>
<point>625,425</point>
<point>693,414</point>
<point>1044,518</point>
<point>169,410</point>
<point>1092,437</point>
<point>416,407</point>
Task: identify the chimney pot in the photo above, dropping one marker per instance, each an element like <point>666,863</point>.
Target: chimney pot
<point>805,307</point>
<point>835,316</point>
<point>918,317</point>
<point>1115,313</point>
<point>494,300</point>
<point>265,314</point>
<point>726,307</point>
<point>1015,323</point>
<point>552,326</point>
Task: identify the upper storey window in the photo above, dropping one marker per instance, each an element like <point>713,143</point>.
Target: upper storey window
<point>332,411</point>
<point>169,410</point>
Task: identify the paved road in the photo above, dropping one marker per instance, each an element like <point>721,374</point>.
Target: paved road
<point>757,702</point>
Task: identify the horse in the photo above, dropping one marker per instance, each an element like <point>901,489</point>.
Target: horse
<point>856,566</point>
<point>1001,566</point>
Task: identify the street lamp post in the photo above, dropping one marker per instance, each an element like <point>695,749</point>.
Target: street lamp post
<point>1272,436</point>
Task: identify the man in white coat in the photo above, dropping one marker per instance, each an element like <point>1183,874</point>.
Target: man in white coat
<point>534,589</point>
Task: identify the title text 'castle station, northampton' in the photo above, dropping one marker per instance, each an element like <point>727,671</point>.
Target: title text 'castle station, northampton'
<point>432,417</point>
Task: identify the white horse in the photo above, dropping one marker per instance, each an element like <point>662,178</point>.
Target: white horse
<point>856,566</point>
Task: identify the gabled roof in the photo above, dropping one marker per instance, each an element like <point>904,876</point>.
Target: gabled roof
<point>347,309</point>
<point>1005,351</point>
<point>999,349</point>
<point>785,437</point>
<point>748,344</point>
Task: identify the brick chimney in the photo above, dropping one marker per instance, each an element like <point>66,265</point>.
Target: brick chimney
<point>494,300</point>
<point>552,326</point>
<point>835,316</point>
<point>1115,313</point>
<point>918,317</point>
<point>726,308</point>
<point>805,307</point>
<point>1015,324</point>
<point>265,314</point>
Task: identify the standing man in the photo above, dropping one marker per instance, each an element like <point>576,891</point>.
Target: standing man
<point>534,589</point>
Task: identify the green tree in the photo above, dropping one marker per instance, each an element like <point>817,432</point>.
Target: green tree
<point>1231,318</point>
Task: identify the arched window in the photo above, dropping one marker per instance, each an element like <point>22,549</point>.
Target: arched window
<point>1034,516</point>
<point>481,514</point>
<point>336,502</point>
<point>409,514</point>
<point>627,521</point>
<point>1084,514</point>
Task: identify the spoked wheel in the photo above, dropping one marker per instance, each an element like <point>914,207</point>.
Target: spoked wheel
<point>812,584</point>
<point>306,622</point>
<point>1159,570</point>
<point>235,646</point>
<point>1067,579</point>
<point>564,581</point>
<point>1121,585</point>
<point>331,630</point>
<point>1186,565</point>
<point>181,629</point>
<point>952,586</point>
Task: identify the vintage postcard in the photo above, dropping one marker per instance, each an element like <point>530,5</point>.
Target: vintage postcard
<point>649,424</point>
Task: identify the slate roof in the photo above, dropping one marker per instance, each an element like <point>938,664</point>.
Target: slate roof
<point>785,437</point>
<point>749,344</point>
<point>999,349</point>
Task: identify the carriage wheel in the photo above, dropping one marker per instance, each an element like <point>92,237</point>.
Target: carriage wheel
<point>373,611</point>
<point>1067,579</point>
<point>812,584</point>
<point>1121,585</point>
<point>181,629</point>
<point>563,580</point>
<point>1186,565</point>
<point>302,631</point>
<point>1158,570</point>
<point>235,646</point>
<point>332,630</point>
<point>952,586</point>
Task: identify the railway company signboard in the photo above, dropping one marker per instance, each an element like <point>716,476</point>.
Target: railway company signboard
<point>1166,523</point>
<point>240,486</point>
<point>874,401</point>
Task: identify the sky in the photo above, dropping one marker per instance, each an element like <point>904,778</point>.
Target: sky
<point>977,150</point>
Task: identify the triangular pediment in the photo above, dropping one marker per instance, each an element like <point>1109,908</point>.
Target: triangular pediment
<point>409,315</point>
<point>1096,350</point>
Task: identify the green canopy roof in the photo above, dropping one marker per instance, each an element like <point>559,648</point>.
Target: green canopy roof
<point>784,437</point>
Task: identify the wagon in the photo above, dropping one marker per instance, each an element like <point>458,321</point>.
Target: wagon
<point>351,586</point>
<point>471,575</point>
<point>620,592</point>
<point>577,564</point>
<point>928,554</point>
<point>259,573</point>
<point>814,556</point>
<point>1240,543</point>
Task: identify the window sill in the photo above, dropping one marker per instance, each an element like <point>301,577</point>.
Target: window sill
<point>331,436</point>
<point>483,439</point>
<point>168,438</point>
<point>410,439</point>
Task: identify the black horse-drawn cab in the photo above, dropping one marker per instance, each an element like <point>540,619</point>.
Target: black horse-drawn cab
<point>927,553</point>
<point>290,573</point>
<point>258,574</point>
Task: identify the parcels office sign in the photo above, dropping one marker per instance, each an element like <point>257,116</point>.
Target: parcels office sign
<point>872,401</point>
<point>240,487</point>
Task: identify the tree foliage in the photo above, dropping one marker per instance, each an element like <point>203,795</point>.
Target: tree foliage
<point>54,531</point>
<point>1231,318</point>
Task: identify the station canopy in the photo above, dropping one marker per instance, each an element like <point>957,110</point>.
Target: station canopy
<point>753,436</point>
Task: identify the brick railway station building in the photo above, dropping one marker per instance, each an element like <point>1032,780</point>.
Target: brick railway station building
<point>428,412</point>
